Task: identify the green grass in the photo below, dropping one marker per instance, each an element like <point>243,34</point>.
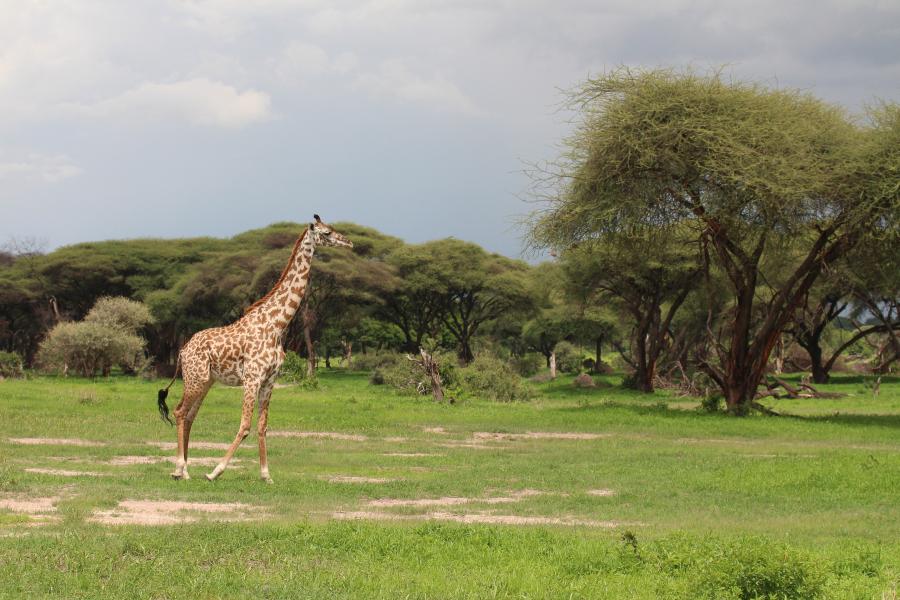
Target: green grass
<point>707,505</point>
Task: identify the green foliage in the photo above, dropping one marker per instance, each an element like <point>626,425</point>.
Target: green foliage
<point>89,348</point>
<point>527,364</point>
<point>490,378</point>
<point>745,568</point>
<point>120,313</point>
<point>568,357</point>
<point>105,338</point>
<point>293,370</point>
<point>371,361</point>
<point>10,365</point>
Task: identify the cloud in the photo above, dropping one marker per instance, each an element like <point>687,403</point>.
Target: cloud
<point>38,167</point>
<point>301,60</point>
<point>198,101</point>
<point>392,79</point>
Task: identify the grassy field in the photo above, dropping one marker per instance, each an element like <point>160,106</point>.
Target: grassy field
<point>400,498</point>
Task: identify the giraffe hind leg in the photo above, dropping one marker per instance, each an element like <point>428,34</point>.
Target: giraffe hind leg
<point>195,389</point>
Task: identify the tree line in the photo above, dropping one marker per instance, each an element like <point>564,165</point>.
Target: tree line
<point>703,230</point>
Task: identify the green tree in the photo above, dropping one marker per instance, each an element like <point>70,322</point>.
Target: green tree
<point>647,276</point>
<point>745,167</point>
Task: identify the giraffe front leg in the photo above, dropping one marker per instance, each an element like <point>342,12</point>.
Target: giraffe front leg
<point>250,392</point>
<point>261,426</point>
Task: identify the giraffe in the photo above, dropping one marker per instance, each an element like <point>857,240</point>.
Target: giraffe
<point>247,353</point>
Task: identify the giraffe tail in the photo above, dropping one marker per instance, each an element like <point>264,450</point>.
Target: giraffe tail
<point>163,394</point>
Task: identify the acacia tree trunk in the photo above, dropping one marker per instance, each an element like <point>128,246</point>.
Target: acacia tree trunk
<point>552,364</point>
<point>598,342</point>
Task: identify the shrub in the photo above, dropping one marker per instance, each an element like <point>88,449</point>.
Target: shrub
<point>743,568</point>
<point>491,378</point>
<point>89,348</point>
<point>527,365</point>
<point>568,358</point>
<point>407,377</point>
<point>293,370</point>
<point>10,365</point>
<point>373,360</point>
<point>120,312</point>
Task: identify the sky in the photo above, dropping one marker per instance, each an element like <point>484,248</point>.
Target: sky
<point>174,118</point>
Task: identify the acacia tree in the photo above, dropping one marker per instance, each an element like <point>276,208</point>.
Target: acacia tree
<point>477,288</point>
<point>647,276</point>
<point>746,167</point>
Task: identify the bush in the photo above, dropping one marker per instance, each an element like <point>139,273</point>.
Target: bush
<point>407,377</point>
<point>527,364</point>
<point>491,378</point>
<point>568,358</point>
<point>373,360</point>
<point>293,370</point>
<point>89,348</point>
<point>120,312</point>
<point>10,365</point>
<point>740,569</point>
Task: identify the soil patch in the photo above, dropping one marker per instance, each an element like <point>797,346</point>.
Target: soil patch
<point>537,435</point>
<point>54,442</point>
<point>440,430</point>
<point>468,445</point>
<point>352,479</point>
<point>170,512</point>
<point>192,445</point>
<point>410,454</point>
<point>601,492</point>
<point>40,511</point>
<point>453,500</point>
<point>63,472</point>
<point>473,518</point>
<point>205,461</point>
<point>328,435</point>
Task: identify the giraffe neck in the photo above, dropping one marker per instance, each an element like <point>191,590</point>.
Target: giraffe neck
<point>279,306</point>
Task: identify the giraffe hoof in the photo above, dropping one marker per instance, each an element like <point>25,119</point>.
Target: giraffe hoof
<point>177,476</point>
<point>268,480</point>
<point>211,476</point>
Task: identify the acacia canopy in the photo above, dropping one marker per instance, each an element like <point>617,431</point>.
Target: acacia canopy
<point>741,168</point>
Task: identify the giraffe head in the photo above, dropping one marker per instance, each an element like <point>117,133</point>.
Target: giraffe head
<point>325,235</point>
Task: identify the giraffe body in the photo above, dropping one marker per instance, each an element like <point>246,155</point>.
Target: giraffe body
<point>246,353</point>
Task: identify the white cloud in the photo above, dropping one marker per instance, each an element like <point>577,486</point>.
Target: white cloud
<point>301,60</point>
<point>38,167</point>
<point>197,101</point>
<point>392,79</point>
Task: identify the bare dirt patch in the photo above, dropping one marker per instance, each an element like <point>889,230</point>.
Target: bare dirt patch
<point>54,442</point>
<point>170,512</point>
<point>439,430</point>
<point>328,435</point>
<point>205,461</point>
<point>601,492</point>
<point>353,479</point>
<point>410,454</point>
<point>63,472</point>
<point>473,518</point>
<point>192,445</point>
<point>463,444</point>
<point>537,435</point>
<point>39,511</point>
<point>454,500</point>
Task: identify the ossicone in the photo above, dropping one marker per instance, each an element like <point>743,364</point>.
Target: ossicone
<point>316,217</point>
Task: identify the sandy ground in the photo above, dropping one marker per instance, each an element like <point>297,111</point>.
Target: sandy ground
<point>170,512</point>
<point>54,442</point>
<point>472,518</point>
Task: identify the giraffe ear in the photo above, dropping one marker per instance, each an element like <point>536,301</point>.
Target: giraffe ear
<point>316,217</point>
<point>312,225</point>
